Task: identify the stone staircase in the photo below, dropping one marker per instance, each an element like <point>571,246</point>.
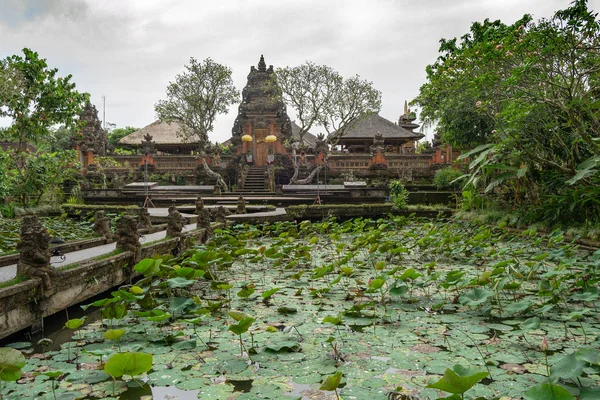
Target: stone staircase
<point>255,181</point>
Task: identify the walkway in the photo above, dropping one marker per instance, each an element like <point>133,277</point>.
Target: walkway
<point>10,271</point>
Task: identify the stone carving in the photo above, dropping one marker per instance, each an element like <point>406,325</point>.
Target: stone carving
<point>221,215</point>
<point>128,237</point>
<point>102,225</point>
<point>378,144</point>
<point>321,144</point>
<point>174,223</point>
<point>148,146</point>
<point>144,219</point>
<point>34,257</point>
<point>203,221</point>
<point>241,205</point>
<point>92,137</point>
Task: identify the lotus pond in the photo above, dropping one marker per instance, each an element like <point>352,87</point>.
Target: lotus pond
<point>63,228</point>
<point>396,308</point>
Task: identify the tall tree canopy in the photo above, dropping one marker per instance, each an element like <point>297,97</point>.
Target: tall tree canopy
<point>320,96</point>
<point>36,98</point>
<point>194,100</point>
<point>528,95</point>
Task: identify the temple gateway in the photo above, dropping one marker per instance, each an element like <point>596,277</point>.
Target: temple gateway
<point>258,156</point>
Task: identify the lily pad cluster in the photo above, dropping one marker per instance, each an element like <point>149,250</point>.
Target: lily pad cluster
<point>394,308</point>
<point>63,228</point>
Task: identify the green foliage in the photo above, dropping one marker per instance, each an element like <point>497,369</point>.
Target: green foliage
<point>458,380</point>
<point>525,93</point>
<point>11,362</point>
<point>399,194</point>
<point>446,178</point>
<point>35,98</point>
<point>119,133</point>
<point>129,363</point>
<point>27,176</point>
<point>332,382</point>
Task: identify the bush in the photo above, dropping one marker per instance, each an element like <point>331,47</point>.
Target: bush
<point>444,178</point>
<point>399,194</point>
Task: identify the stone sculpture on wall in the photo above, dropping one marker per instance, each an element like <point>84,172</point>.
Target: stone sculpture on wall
<point>241,205</point>
<point>34,257</point>
<point>102,225</point>
<point>221,215</point>
<point>174,223</point>
<point>128,237</point>
<point>144,221</point>
<point>203,221</point>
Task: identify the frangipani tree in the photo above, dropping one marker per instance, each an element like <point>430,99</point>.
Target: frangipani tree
<point>194,100</point>
<point>320,96</point>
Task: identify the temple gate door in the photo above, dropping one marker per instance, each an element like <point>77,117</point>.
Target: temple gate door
<point>262,147</point>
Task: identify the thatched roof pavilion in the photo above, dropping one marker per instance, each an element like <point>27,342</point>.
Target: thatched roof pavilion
<point>165,135</point>
<point>359,137</point>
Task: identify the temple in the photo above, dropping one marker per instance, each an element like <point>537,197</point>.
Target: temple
<point>261,144</point>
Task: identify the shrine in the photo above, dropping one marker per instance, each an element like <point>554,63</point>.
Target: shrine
<point>258,155</point>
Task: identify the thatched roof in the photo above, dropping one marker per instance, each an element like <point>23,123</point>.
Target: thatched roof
<point>368,127</point>
<point>309,139</point>
<point>161,132</point>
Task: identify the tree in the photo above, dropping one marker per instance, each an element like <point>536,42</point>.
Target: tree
<point>527,94</point>
<point>35,98</point>
<point>320,96</point>
<point>194,100</point>
<point>119,133</point>
<point>42,173</point>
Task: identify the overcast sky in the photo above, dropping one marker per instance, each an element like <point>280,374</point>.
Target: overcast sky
<point>129,50</point>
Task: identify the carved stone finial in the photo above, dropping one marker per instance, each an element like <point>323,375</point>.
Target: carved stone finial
<point>378,144</point>
<point>261,64</point>
<point>405,108</point>
<point>321,144</point>
<point>128,237</point>
<point>221,215</point>
<point>203,221</point>
<point>102,225</point>
<point>241,205</point>
<point>174,223</point>
<point>148,146</point>
<point>34,257</point>
<point>144,219</point>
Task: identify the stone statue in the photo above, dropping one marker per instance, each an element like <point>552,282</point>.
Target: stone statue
<point>174,223</point>
<point>34,257</point>
<point>148,146</point>
<point>241,205</point>
<point>378,144</point>
<point>128,237</point>
<point>144,221</point>
<point>203,221</point>
<point>102,225</point>
<point>221,214</point>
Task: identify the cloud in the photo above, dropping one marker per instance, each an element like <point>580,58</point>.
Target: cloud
<point>129,50</point>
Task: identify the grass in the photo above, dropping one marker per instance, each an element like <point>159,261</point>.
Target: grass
<point>13,281</point>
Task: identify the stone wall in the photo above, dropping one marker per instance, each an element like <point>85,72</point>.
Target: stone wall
<point>22,305</point>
